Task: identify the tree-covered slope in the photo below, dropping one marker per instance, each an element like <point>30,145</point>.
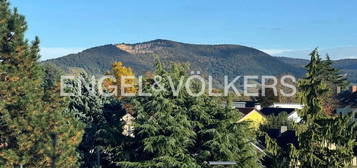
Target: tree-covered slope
<point>346,66</point>
<point>217,60</point>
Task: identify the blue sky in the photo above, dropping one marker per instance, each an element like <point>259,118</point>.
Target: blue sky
<point>275,26</point>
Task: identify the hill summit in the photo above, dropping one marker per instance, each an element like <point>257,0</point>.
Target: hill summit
<point>216,60</point>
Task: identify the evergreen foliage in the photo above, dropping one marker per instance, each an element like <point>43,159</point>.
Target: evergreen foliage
<point>276,156</point>
<point>347,67</point>
<point>275,122</point>
<point>332,75</point>
<point>102,116</point>
<point>222,138</point>
<point>187,131</point>
<point>38,128</point>
<point>162,129</point>
<point>334,81</point>
<point>324,141</point>
<point>32,116</point>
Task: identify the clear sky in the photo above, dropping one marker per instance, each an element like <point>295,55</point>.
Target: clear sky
<point>275,26</point>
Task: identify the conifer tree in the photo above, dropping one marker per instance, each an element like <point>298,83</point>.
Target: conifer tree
<point>334,81</point>
<point>223,138</point>
<point>187,131</point>
<point>30,121</point>
<point>163,131</point>
<point>102,117</point>
<point>331,75</point>
<point>324,141</point>
<point>276,156</point>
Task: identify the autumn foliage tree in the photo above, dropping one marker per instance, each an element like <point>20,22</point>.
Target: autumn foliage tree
<point>123,76</point>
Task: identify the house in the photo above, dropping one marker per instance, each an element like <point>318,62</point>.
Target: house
<point>292,113</point>
<point>253,111</point>
<point>253,115</point>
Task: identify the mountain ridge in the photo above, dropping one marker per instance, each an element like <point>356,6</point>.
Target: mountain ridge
<point>346,66</point>
<point>216,60</point>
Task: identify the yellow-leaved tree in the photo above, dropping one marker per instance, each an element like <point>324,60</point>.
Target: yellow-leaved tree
<point>120,73</point>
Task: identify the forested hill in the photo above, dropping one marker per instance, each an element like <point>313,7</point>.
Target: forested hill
<point>346,66</point>
<point>217,60</point>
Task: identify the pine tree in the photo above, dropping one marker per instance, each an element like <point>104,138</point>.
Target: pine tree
<point>52,75</point>
<point>30,119</point>
<point>324,141</point>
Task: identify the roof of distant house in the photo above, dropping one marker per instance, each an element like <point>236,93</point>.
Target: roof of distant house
<point>245,111</point>
<point>287,105</point>
<point>347,98</point>
<point>276,111</point>
<point>282,139</point>
<point>246,103</point>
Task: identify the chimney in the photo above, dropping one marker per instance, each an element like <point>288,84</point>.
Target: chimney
<point>354,88</point>
<point>283,129</point>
